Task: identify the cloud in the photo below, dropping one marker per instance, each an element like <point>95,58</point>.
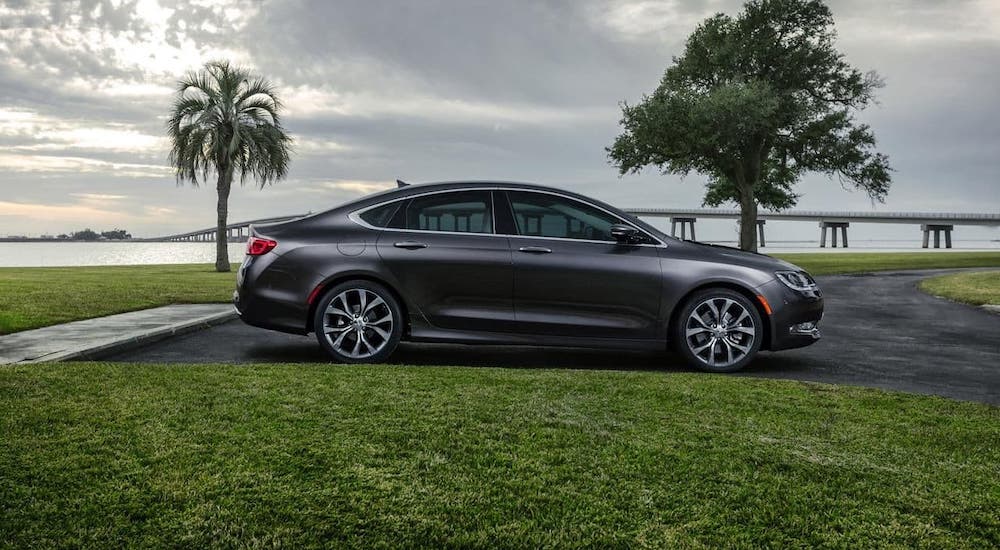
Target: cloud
<point>914,23</point>
<point>75,213</point>
<point>335,188</point>
<point>307,101</point>
<point>32,131</point>
<point>111,139</point>
<point>360,187</point>
<point>65,164</point>
<point>98,196</point>
<point>158,211</point>
<point>652,19</point>
<point>320,145</point>
<point>95,211</point>
<point>445,90</point>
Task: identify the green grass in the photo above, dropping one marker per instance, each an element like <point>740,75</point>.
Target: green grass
<point>107,455</point>
<point>35,297</point>
<point>971,288</point>
<point>864,262</point>
<point>32,297</point>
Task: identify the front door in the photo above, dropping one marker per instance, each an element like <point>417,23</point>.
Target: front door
<point>450,263</point>
<point>570,276</point>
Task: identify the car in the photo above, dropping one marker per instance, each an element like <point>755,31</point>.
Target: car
<point>516,263</point>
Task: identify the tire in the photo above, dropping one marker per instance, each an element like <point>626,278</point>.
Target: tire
<point>358,307</point>
<point>705,345</point>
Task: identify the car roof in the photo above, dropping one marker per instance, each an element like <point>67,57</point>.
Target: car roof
<point>409,190</point>
<point>422,188</point>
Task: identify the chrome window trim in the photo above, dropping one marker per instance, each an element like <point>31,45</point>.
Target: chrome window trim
<point>354,216</point>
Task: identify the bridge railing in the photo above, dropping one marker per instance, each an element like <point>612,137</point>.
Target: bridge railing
<point>208,234</point>
<point>929,222</point>
<point>819,214</point>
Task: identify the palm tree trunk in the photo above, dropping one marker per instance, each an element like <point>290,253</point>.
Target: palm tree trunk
<point>222,211</point>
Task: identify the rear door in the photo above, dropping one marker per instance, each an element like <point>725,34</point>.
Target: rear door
<point>570,276</point>
<point>450,263</point>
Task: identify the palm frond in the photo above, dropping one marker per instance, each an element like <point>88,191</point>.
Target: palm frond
<point>225,117</point>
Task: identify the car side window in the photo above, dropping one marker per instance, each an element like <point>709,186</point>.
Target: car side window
<point>459,212</point>
<point>544,215</point>
<point>380,216</point>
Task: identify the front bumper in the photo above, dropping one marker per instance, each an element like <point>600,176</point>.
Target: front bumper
<point>794,319</point>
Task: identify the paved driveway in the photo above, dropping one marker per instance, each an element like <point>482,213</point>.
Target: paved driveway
<point>878,331</point>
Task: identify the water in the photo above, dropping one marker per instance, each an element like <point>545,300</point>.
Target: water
<point>111,253</point>
<point>14,254</point>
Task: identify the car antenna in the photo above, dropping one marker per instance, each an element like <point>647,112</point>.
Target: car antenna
<point>401,183</point>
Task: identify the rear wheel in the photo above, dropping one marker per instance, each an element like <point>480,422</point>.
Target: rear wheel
<point>358,322</point>
<point>718,330</point>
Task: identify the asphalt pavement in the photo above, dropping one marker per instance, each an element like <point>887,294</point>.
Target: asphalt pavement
<point>879,331</point>
<point>101,336</point>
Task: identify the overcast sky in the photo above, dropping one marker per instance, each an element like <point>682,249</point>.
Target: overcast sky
<point>426,91</point>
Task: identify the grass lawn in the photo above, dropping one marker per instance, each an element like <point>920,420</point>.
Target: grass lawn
<point>861,262</point>
<point>970,288</point>
<point>32,297</point>
<point>35,297</point>
<point>106,455</point>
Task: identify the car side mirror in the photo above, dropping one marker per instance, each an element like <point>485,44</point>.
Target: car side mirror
<point>625,234</point>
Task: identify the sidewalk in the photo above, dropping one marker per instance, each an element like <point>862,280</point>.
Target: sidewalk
<point>85,339</point>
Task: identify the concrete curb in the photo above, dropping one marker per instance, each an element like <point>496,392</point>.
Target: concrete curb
<point>131,340</point>
<point>995,309</point>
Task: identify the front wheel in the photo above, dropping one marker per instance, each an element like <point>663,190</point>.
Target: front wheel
<point>718,330</point>
<point>358,322</point>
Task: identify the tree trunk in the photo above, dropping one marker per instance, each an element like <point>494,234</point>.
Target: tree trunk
<point>748,219</point>
<point>222,211</point>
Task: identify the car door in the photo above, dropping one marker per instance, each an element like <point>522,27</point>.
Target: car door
<point>570,276</point>
<point>449,262</point>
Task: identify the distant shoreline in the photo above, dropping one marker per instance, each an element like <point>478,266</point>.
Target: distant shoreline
<point>41,240</point>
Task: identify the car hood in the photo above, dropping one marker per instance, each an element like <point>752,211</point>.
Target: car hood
<point>728,254</point>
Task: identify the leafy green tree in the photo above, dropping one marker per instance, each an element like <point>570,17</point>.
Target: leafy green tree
<point>753,103</point>
<point>86,235</point>
<point>116,234</point>
<point>225,120</point>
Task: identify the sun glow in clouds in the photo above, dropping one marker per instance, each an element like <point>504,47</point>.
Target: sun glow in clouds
<point>84,211</point>
<point>69,165</point>
<point>148,50</point>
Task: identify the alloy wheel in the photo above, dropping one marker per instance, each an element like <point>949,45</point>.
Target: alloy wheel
<point>720,332</point>
<point>357,323</point>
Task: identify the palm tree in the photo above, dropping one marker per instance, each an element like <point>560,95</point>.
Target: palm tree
<point>224,121</point>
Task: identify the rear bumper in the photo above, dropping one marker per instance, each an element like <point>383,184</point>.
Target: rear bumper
<point>269,314</point>
<point>794,319</point>
<point>269,297</point>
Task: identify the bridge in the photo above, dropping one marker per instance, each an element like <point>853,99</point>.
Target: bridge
<point>929,222</point>
<point>235,232</point>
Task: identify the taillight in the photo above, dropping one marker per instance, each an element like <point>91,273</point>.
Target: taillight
<point>257,246</point>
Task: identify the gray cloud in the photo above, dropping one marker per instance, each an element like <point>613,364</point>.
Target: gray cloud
<point>442,90</point>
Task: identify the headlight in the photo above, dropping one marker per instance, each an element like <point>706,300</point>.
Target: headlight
<point>797,280</point>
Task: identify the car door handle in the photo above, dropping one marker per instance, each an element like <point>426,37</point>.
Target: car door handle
<point>535,249</point>
<point>410,245</point>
